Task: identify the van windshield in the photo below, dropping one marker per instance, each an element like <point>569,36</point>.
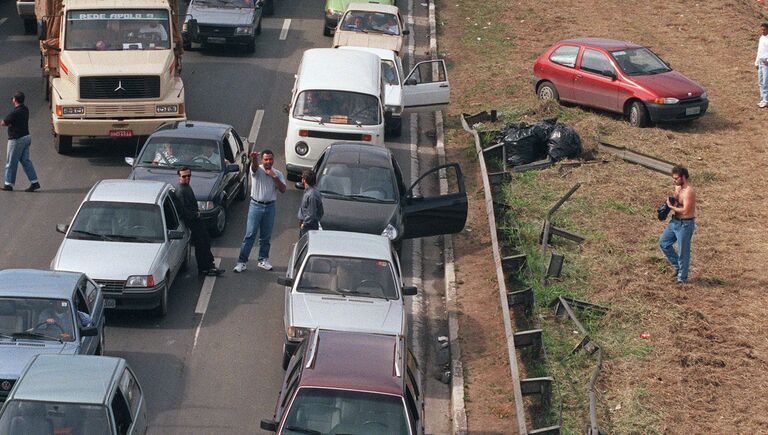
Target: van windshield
<point>111,30</point>
<point>337,107</point>
<point>25,416</point>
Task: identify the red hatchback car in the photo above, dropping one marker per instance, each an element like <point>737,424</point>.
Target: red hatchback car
<point>618,76</point>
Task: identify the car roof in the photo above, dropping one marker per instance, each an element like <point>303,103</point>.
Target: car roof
<point>132,191</point>
<point>359,153</point>
<point>342,70</point>
<point>605,44</point>
<point>348,244</point>
<point>69,378</point>
<point>355,361</point>
<point>192,129</point>
<point>383,54</point>
<point>38,283</point>
<point>373,7</point>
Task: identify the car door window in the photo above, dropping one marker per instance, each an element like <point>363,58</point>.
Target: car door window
<point>131,391</point>
<point>227,148</point>
<point>427,72</point>
<point>171,218</point>
<point>121,413</point>
<point>91,292</point>
<point>595,62</point>
<point>398,176</point>
<point>81,303</point>
<point>235,144</point>
<point>565,55</point>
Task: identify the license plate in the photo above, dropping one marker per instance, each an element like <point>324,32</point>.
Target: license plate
<point>110,303</point>
<point>121,133</point>
<point>217,40</point>
<point>692,110</point>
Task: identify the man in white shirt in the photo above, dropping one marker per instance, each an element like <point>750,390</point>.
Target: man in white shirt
<point>761,63</point>
<point>266,181</point>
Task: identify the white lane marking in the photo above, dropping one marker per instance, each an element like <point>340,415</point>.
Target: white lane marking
<point>255,128</point>
<point>284,32</point>
<point>204,299</point>
<point>2,20</point>
<point>21,38</point>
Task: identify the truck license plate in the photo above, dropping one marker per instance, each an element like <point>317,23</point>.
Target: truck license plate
<point>217,40</point>
<point>110,303</point>
<point>692,110</point>
<point>121,133</point>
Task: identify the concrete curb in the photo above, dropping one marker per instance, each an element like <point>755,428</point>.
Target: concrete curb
<point>458,411</point>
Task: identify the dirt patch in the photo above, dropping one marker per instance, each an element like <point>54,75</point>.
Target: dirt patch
<point>706,366</point>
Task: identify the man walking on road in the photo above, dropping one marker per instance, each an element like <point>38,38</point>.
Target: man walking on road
<point>203,255</point>
<point>19,141</point>
<point>266,181</point>
<point>311,209</point>
<point>761,63</point>
<point>682,225</point>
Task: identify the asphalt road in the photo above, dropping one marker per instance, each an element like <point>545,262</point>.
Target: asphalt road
<point>217,372</point>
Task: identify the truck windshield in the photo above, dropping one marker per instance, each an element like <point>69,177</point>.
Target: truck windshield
<point>26,416</point>
<point>109,30</point>
<point>337,107</point>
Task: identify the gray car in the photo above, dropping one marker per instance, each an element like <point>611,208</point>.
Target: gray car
<point>81,395</point>
<point>46,312</point>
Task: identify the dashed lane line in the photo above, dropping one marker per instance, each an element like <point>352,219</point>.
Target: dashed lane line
<point>284,31</point>
<point>204,299</point>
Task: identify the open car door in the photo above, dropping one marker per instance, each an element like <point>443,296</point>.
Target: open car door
<point>431,215</point>
<point>426,87</point>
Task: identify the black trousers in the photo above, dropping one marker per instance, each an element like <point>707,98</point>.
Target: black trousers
<point>202,243</point>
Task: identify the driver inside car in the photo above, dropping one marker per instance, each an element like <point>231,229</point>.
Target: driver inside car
<point>57,318</point>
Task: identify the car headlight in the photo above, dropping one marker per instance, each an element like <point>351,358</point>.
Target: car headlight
<point>167,108</point>
<point>666,100</point>
<point>76,110</point>
<point>140,281</point>
<point>205,205</point>
<point>297,333</point>
<point>703,95</point>
<point>245,30</point>
<point>390,232</point>
<point>302,148</point>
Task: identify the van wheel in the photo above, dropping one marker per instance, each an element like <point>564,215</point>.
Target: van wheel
<point>63,144</point>
<point>162,309</point>
<point>547,91</point>
<point>638,115</point>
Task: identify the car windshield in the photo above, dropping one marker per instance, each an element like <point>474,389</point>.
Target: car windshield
<point>32,417</point>
<point>36,319</point>
<point>117,29</point>
<point>371,22</point>
<point>639,61</point>
<point>389,73</point>
<point>118,222</point>
<point>337,107</point>
<point>197,154</point>
<point>348,276</point>
<point>358,181</point>
<point>330,411</point>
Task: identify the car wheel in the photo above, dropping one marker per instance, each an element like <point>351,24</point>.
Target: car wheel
<point>269,7</point>
<point>162,309</point>
<point>245,188</point>
<point>221,223</point>
<point>286,357</point>
<point>63,144</point>
<point>638,115</point>
<point>547,91</point>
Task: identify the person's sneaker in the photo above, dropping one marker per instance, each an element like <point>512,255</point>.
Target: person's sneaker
<point>264,264</point>
<point>7,187</point>
<point>214,271</point>
<point>682,281</point>
<point>762,104</point>
<point>32,187</point>
<point>239,267</point>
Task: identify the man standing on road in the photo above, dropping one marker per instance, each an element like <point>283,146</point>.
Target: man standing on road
<point>761,63</point>
<point>681,227</point>
<point>19,141</point>
<point>266,181</point>
<point>311,209</point>
<point>203,255</point>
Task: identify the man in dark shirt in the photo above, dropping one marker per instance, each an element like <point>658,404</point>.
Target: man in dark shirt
<point>311,209</point>
<point>191,214</point>
<point>19,141</point>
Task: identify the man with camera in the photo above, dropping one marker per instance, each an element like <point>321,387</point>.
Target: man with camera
<point>680,228</point>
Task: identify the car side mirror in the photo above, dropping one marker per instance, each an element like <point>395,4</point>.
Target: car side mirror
<point>409,290</point>
<point>233,167</point>
<point>411,82</point>
<point>130,161</point>
<point>89,331</point>
<point>610,73</point>
<point>269,425</point>
<point>175,235</point>
<point>284,280</point>
<point>62,228</point>
<point>406,32</point>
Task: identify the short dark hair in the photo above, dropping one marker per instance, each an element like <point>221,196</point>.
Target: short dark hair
<point>182,169</point>
<point>680,170</point>
<point>764,25</point>
<point>308,175</point>
<point>19,97</point>
<point>267,151</point>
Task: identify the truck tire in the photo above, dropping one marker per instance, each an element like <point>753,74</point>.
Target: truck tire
<point>63,144</point>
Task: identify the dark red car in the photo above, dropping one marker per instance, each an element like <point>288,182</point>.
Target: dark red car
<point>618,76</point>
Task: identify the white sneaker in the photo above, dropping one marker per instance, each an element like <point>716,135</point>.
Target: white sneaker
<point>264,264</point>
<point>239,267</point>
<point>762,104</point>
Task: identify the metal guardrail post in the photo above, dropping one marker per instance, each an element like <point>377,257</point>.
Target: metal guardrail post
<point>547,229</point>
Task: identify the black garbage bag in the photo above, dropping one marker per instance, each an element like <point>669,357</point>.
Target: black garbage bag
<point>563,142</point>
<point>527,143</point>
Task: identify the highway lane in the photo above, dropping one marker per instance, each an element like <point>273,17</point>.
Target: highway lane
<point>218,372</point>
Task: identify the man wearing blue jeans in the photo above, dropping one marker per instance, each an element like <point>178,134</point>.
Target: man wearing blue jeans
<point>266,181</point>
<point>761,63</point>
<point>19,141</point>
<point>680,228</point>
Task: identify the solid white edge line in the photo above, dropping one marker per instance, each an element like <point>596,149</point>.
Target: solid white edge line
<point>204,299</point>
<point>255,127</point>
<point>284,31</point>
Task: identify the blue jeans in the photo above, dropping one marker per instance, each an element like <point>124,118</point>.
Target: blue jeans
<point>680,231</point>
<point>261,219</point>
<point>762,80</point>
<point>18,152</point>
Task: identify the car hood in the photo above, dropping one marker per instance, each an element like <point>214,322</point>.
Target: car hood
<point>15,355</point>
<point>669,84</point>
<point>347,313</point>
<point>372,40</point>
<point>204,184</point>
<point>369,217</point>
<point>125,62</point>
<point>106,260</point>
<point>224,16</point>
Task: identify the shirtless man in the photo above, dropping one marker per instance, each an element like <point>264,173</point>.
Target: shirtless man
<point>680,228</point>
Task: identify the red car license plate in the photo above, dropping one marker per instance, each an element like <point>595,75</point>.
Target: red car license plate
<point>121,133</point>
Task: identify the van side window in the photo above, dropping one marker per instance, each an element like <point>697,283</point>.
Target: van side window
<point>121,413</point>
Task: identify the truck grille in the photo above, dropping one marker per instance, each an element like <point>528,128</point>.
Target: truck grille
<point>108,87</point>
<point>216,30</point>
<point>111,286</point>
<point>334,135</point>
<point>122,110</point>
